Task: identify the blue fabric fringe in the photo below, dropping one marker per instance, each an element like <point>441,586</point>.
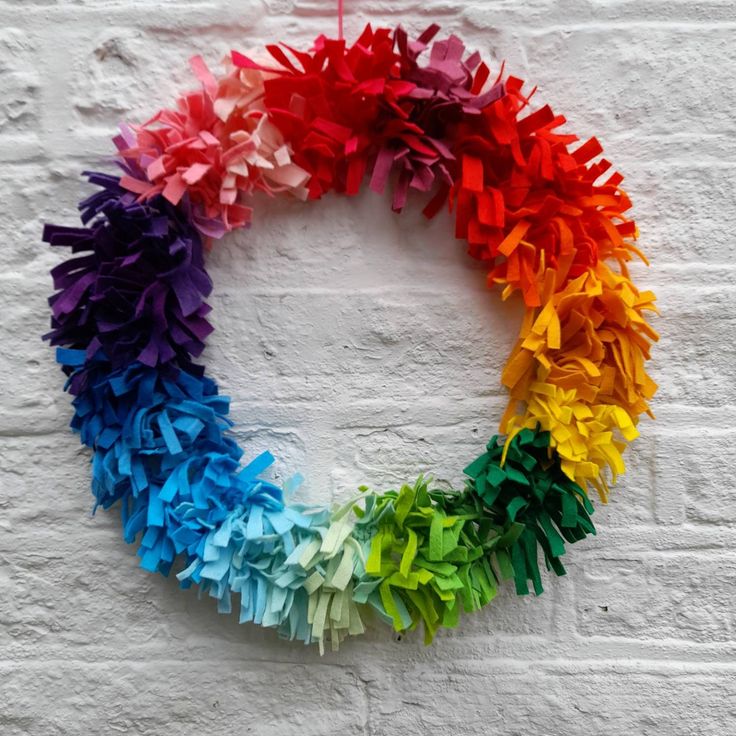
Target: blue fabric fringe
<point>162,452</point>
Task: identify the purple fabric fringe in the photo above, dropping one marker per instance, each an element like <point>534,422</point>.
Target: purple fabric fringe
<point>136,290</point>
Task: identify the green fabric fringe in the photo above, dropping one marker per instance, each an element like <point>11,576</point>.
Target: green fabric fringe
<point>429,555</point>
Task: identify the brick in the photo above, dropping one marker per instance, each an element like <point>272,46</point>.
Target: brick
<point>681,595</point>
<point>137,698</point>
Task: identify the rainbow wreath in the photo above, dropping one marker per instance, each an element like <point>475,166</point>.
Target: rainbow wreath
<point>129,317</point>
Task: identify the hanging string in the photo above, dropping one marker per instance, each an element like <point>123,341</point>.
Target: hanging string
<point>339,18</point>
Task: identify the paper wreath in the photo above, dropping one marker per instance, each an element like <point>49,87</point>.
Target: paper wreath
<point>129,315</point>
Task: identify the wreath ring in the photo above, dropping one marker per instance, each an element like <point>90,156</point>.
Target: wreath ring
<point>129,318</point>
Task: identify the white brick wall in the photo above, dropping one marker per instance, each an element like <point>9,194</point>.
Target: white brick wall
<point>363,347</point>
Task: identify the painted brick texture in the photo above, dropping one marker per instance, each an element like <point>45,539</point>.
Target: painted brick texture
<point>364,347</point>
